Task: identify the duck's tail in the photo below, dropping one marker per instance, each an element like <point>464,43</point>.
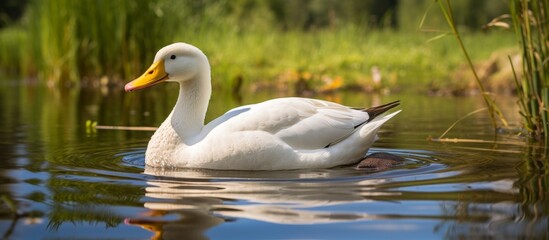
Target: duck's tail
<point>372,126</point>
<point>379,110</point>
<point>352,148</point>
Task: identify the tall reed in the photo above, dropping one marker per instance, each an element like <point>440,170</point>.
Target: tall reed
<point>87,38</point>
<point>69,42</point>
<point>530,19</point>
<point>53,37</point>
<point>14,55</point>
<point>493,109</point>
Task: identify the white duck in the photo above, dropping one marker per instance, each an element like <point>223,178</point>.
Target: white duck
<point>283,133</point>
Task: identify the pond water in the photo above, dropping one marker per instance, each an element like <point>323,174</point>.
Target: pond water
<point>68,181</point>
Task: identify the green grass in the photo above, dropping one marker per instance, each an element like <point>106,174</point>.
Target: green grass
<point>407,61</point>
<point>14,57</point>
<point>76,40</point>
<point>531,25</point>
<point>493,109</point>
<point>70,42</point>
<point>532,29</point>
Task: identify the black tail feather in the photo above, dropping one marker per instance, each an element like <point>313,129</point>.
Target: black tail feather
<point>373,112</point>
<point>378,110</point>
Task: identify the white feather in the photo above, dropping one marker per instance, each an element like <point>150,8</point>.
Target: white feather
<point>284,133</point>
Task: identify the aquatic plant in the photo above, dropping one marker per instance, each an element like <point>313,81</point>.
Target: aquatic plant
<point>530,20</point>
<point>493,109</point>
<point>87,39</point>
<point>14,57</point>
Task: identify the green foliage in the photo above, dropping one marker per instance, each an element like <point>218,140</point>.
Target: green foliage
<point>493,109</point>
<point>73,39</point>
<point>530,20</point>
<point>404,59</point>
<point>70,42</point>
<point>469,15</point>
<point>14,53</point>
<point>531,25</point>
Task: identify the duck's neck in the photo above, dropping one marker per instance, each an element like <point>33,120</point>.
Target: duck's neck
<point>187,117</point>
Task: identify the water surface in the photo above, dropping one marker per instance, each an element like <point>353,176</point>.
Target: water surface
<point>70,181</point>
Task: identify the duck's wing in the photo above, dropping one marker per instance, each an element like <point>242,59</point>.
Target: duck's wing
<point>300,122</point>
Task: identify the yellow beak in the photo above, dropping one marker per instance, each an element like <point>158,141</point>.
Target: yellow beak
<point>155,74</point>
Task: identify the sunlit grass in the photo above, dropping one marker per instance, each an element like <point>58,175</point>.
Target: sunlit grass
<point>14,53</point>
<point>493,109</point>
<point>71,42</point>
<point>406,61</point>
<point>76,40</point>
<point>532,28</point>
<point>531,25</point>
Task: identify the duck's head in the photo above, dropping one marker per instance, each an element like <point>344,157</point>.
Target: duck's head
<point>177,62</point>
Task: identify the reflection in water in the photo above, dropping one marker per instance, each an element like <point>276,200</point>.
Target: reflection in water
<point>464,206</point>
<point>70,183</point>
<point>281,197</point>
<point>188,224</point>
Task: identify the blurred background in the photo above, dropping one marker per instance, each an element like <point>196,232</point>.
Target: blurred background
<point>301,45</point>
<point>63,65</point>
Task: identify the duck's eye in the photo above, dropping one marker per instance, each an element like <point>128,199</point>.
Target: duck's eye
<point>172,57</point>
